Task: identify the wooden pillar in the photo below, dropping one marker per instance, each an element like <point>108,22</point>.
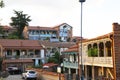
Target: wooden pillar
<point>86,71</point>
<point>93,73</point>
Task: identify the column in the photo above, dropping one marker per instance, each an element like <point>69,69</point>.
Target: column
<point>85,72</point>
<point>105,51</point>
<point>77,75</point>
<point>36,62</point>
<point>42,54</point>
<point>98,49</point>
<point>93,73</point>
<point>69,74</point>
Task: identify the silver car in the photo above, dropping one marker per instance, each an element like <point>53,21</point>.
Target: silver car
<point>29,74</point>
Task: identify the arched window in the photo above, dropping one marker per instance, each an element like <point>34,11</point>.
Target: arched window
<point>101,49</point>
<point>108,48</point>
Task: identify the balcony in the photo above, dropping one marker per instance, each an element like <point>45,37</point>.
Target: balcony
<point>69,64</point>
<point>25,56</point>
<point>99,61</point>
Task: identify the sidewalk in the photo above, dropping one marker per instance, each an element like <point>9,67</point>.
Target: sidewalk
<point>49,75</point>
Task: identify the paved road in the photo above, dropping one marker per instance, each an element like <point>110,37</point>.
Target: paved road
<point>14,77</point>
<point>18,77</point>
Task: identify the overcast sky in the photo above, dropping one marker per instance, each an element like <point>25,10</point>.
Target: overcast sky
<point>98,15</point>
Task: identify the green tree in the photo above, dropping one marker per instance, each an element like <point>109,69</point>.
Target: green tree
<point>2,4</point>
<point>2,33</point>
<point>56,58</point>
<point>13,35</point>
<point>19,22</point>
<point>92,52</point>
<point>1,30</point>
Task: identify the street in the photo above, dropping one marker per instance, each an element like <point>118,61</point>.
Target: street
<point>18,77</point>
<point>14,77</point>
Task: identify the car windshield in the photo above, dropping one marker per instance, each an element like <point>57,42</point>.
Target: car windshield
<point>32,72</point>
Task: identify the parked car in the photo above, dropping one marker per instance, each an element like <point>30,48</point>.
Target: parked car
<point>13,70</point>
<point>29,74</point>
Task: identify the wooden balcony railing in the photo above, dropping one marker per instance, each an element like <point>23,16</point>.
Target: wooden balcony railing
<point>92,61</point>
<point>25,56</point>
<point>69,64</point>
<point>98,61</point>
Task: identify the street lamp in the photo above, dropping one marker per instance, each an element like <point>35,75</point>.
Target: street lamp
<point>82,71</point>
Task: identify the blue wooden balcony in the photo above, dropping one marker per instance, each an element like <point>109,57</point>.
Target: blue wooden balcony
<point>69,64</point>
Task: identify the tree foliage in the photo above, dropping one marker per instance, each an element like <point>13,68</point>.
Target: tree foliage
<point>92,52</point>
<point>13,35</point>
<point>56,58</point>
<point>1,30</point>
<point>2,33</point>
<point>2,4</point>
<point>19,22</point>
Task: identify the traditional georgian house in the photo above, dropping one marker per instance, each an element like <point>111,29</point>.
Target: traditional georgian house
<point>23,53</point>
<point>62,32</point>
<point>100,57</point>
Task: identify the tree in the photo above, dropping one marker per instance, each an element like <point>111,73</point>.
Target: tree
<point>56,58</point>
<point>2,33</point>
<point>2,4</point>
<point>13,35</point>
<point>92,52</point>
<point>19,22</point>
<point>1,30</point>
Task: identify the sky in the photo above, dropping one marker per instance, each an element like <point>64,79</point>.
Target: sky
<point>98,15</point>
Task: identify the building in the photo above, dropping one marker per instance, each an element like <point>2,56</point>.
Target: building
<point>100,57</point>
<point>52,47</point>
<point>29,52</point>
<point>62,32</point>
<point>5,31</point>
<point>25,53</point>
<point>70,63</point>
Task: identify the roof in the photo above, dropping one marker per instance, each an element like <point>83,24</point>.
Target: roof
<point>16,44</point>
<point>73,48</point>
<point>5,27</point>
<point>40,28</point>
<point>61,25</point>
<point>100,37</point>
<point>57,44</point>
<point>49,65</point>
<point>18,61</point>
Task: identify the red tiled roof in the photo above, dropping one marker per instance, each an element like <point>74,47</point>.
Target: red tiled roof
<point>10,43</point>
<point>50,64</point>
<point>60,25</point>
<point>99,37</point>
<point>73,48</point>
<point>57,44</point>
<point>18,61</point>
<point>40,28</point>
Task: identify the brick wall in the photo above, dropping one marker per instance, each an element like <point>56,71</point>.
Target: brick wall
<point>116,50</point>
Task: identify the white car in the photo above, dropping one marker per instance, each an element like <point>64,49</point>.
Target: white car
<point>29,74</point>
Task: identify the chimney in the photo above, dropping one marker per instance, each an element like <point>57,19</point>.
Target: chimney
<point>116,50</point>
